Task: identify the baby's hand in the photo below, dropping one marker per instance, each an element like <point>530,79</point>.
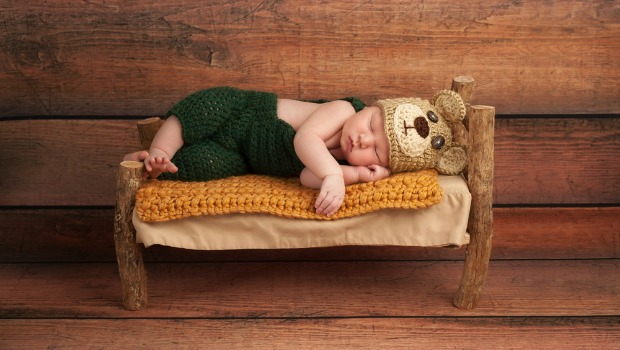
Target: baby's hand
<point>331,195</point>
<point>158,162</point>
<point>373,173</point>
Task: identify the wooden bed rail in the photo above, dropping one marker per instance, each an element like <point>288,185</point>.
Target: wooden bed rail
<point>477,134</point>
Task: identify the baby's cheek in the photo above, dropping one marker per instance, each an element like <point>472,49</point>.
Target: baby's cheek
<point>354,158</point>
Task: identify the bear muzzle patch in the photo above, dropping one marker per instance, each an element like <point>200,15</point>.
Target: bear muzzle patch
<point>411,129</point>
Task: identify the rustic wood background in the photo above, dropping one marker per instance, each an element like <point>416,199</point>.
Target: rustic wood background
<point>135,58</point>
<point>76,76</point>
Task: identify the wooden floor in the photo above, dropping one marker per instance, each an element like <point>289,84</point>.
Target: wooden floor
<point>527,304</point>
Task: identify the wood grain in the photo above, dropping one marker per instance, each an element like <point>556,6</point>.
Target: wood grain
<point>573,333</point>
<point>537,161</point>
<point>85,235</point>
<point>312,289</point>
<point>557,161</point>
<point>65,235</point>
<point>115,58</point>
<point>63,162</point>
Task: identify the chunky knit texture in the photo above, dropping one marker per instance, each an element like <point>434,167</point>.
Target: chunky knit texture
<point>411,132</point>
<point>158,201</point>
<point>229,132</point>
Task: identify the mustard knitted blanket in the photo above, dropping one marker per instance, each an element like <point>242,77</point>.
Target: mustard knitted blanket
<point>158,201</point>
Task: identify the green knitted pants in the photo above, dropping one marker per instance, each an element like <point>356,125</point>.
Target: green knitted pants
<point>227,132</point>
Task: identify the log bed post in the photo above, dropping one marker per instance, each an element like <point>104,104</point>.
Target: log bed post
<point>464,86</point>
<point>147,129</point>
<point>480,226</point>
<point>128,252</point>
<point>478,136</point>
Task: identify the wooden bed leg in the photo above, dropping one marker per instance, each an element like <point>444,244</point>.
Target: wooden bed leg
<point>480,227</point>
<point>128,252</point>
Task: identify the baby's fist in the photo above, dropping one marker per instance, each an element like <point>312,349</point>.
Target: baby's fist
<point>373,173</point>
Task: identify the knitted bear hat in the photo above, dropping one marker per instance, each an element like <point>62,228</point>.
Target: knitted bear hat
<point>420,135</point>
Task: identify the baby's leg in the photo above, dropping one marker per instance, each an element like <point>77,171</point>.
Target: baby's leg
<point>206,161</point>
<point>165,144</point>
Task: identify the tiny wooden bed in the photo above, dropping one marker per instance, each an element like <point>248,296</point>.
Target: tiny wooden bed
<point>479,135</point>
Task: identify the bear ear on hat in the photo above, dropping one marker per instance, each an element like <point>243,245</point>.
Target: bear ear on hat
<point>453,160</point>
<point>450,105</point>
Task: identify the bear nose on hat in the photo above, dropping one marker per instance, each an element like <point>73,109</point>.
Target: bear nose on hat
<point>421,126</point>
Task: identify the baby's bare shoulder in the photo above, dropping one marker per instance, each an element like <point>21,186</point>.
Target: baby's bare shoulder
<point>295,112</point>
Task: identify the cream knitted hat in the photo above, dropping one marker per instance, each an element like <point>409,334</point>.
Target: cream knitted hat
<point>419,132</point>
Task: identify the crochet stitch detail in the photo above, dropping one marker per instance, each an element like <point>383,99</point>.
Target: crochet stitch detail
<point>158,201</point>
<point>232,132</point>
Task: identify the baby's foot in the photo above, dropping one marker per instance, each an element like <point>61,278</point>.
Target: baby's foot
<point>158,162</point>
<point>136,156</point>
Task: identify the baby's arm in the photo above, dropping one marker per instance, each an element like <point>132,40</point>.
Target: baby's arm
<point>351,175</point>
<point>166,143</point>
<point>310,147</point>
<point>371,173</point>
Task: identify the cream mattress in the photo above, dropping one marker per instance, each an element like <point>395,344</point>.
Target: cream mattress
<point>443,224</point>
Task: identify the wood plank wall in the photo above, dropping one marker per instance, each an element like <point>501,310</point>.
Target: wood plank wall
<point>76,76</point>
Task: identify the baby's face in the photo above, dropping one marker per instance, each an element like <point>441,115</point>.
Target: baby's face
<point>363,140</point>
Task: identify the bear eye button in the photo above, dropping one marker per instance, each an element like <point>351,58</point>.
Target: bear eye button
<point>432,116</point>
<point>438,142</point>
